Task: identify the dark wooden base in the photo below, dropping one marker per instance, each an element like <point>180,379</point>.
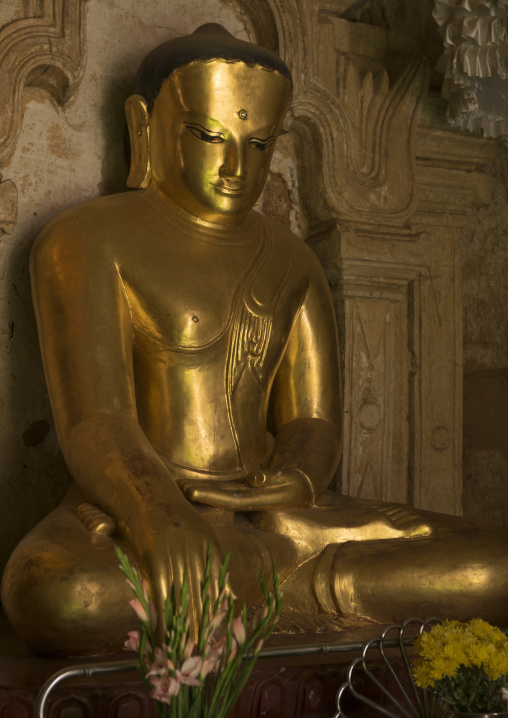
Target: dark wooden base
<point>287,687</point>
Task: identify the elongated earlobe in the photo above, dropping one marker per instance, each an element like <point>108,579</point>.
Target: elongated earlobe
<point>138,121</point>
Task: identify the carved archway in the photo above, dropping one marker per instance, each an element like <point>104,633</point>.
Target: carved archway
<point>44,49</point>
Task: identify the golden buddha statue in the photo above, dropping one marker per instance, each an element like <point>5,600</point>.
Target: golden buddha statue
<point>170,319</point>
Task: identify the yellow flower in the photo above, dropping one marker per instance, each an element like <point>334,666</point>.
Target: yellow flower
<point>452,644</point>
<point>485,632</point>
<point>423,674</point>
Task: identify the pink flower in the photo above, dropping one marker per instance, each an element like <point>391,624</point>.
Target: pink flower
<point>190,671</point>
<point>164,687</point>
<point>215,622</point>
<point>161,665</point>
<point>215,647</point>
<point>208,666</point>
<point>132,643</point>
<point>142,614</point>
<point>138,608</point>
<point>189,647</point>
<point>238,630</point>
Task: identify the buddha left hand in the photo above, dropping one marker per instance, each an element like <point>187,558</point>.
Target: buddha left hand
<point>262,490</point>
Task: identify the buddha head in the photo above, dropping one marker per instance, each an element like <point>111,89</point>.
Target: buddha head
<point>204,120</point>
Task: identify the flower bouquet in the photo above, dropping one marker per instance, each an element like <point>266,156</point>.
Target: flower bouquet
<point>203,678</point>
<point>466,664</point>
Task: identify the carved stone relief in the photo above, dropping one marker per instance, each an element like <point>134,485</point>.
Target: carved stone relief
<point>363,110</point>
<point>44,49</point>
<point>398,192</point>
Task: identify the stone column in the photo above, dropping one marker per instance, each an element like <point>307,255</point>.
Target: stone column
<point>399,190</point>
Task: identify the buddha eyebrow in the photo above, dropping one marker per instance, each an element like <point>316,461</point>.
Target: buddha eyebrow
<point>202,133</point>
<point>258,144</point>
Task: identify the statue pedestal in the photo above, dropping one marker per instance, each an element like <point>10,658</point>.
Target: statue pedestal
<point>296,686</point>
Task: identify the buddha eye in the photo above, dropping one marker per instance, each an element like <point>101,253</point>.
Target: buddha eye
<point>203,134</point>
<point>261,145</point>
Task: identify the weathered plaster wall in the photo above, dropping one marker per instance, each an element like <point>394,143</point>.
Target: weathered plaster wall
<point>485,294</point>
<point>485,277</point>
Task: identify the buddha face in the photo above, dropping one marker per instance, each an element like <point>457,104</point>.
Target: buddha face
<point>212,133</point>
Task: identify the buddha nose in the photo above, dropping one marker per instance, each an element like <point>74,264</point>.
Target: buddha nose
<point>234,165</point>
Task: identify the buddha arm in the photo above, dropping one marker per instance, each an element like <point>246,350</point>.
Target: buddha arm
<point>307,404</point>
<point>86,342</point>
<point>306,396</point>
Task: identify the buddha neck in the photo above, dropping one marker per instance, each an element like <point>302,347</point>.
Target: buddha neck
<point>234,233</point>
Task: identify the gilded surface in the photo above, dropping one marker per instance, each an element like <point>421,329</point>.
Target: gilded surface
<point>171,319</point>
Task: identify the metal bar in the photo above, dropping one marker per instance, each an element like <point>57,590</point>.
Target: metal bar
<point>325,648</point>
<point>84,671</point>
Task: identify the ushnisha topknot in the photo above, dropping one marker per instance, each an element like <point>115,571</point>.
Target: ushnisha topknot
<point>209,42</point>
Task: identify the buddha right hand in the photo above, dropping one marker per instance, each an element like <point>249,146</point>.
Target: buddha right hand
<point>169,540</point>
<point>267,489</point>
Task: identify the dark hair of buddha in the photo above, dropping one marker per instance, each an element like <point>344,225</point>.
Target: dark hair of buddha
<point>208,42</point>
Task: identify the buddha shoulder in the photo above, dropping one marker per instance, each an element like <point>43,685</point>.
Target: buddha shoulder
<point>91,238</point>
<point>98,221</point>
<point>288,246</point>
